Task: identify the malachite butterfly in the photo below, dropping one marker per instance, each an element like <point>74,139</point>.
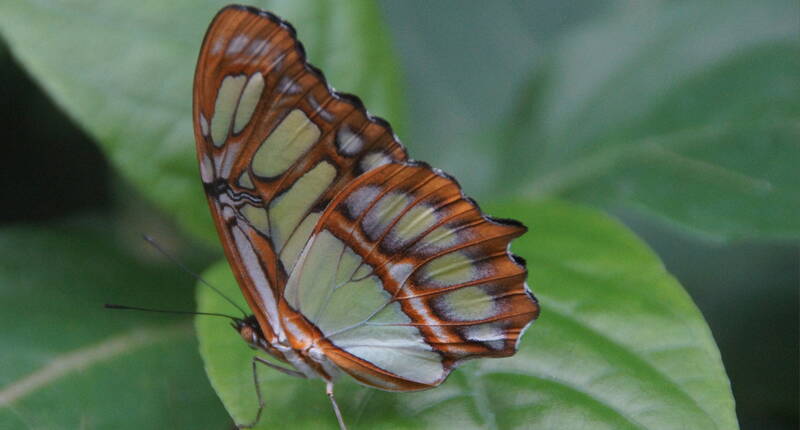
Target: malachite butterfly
<point>354,258</point>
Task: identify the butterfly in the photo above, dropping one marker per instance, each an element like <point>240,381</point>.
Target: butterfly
<point>353,258</point>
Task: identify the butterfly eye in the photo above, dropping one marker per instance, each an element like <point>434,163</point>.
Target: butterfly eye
<point>247,333</point>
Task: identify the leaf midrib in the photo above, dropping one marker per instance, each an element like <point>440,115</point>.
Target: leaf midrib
<point>634,359</point>
<point>579,171</point>
<point>70,362</point>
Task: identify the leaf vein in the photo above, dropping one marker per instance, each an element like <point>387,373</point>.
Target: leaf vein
<point>82,358</point>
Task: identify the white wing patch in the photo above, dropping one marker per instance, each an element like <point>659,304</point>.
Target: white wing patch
<point>360,199</point>
<point>257,47</point>
<point>257,275</point>
<point>237,44</point>
<point>206,169</point>
<point>349,143</point>
<point>203,125</point>
<point>400,272</point>
<point>288,86</point>
<point>490,333</point>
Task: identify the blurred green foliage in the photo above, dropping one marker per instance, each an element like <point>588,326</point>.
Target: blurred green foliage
<point>67,362</point>
<point>678,111</point>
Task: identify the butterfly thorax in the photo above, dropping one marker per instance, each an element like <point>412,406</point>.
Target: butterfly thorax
<point>301,353</point>
<point>306,345</point>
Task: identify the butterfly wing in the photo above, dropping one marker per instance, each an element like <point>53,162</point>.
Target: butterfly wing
<point>404,277</point>
<point>275,144</point>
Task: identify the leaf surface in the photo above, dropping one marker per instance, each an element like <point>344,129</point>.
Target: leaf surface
<point>685,111</point>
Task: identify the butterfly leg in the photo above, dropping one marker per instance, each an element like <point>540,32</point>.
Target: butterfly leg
<point>258,396</point>
<point>256,360</point>
<point>281,369</point>
<point>329,392</point>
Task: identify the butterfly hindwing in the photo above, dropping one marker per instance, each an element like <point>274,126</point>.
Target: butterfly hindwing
<point>404,277</point>
<point>275,144</point>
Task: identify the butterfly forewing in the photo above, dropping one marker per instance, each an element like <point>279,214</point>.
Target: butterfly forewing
<point>404,277</point>
<point>275,144</point>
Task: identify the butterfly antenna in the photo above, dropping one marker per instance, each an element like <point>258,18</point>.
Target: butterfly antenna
<point>166,311</point>
<point>158,247</point>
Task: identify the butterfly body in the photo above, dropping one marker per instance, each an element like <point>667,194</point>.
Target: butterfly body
<point>307,360</point>
<point>354,258</point>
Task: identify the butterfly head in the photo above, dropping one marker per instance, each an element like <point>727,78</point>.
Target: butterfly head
<point>249,330</point>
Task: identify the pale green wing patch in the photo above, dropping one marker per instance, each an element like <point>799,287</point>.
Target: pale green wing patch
<point>287,211</point>
<point>324,288</point>
<point>225,107</point>
<point>292,138</point>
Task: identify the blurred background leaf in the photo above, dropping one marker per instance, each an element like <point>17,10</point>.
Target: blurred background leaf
<point>685,110</point>
<point>125,75</point>
<point>67,362</point>
<point>619,345</point>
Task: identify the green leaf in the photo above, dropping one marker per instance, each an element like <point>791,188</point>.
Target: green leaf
<point>125,75</point>
<point>684,110</point>
<point>68,363</point>
<point>619,345</point>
